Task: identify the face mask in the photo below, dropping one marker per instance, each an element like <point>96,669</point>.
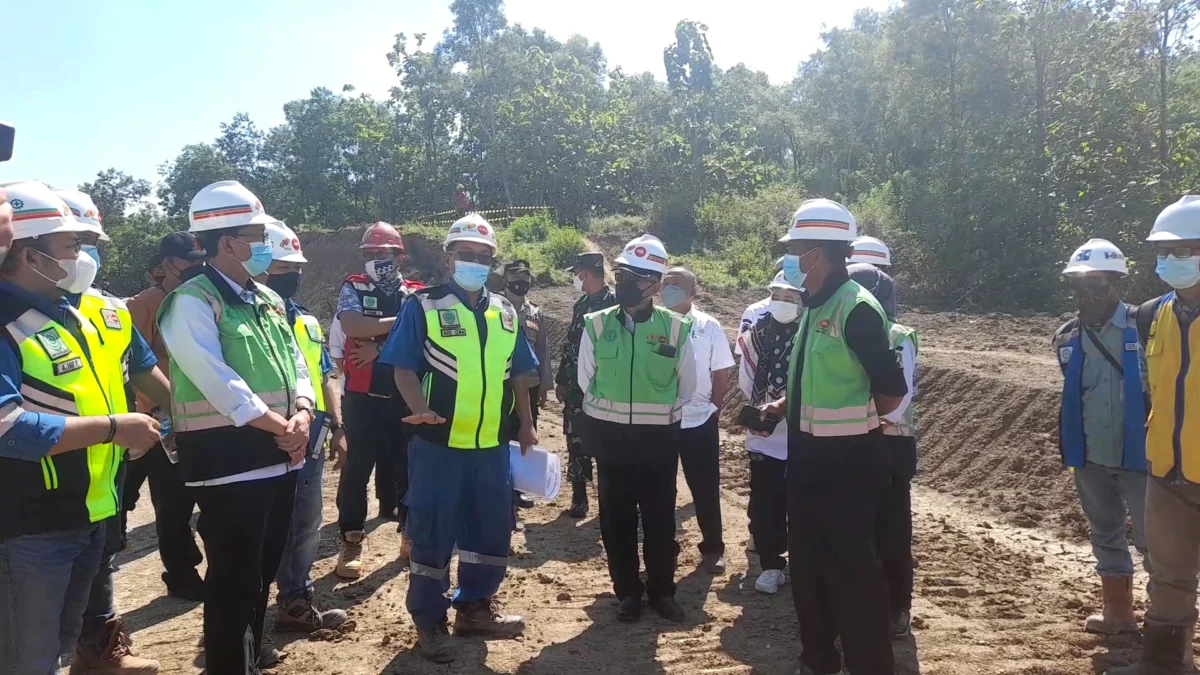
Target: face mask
<point>672,296</point>
<point>285,285</point>
<point>519,288</point>
<point>577,282</point>
<point>260,258</point>
<point>93,252</point>
<point>628,294</point>
<point>783,311</point>
<point>81,272</point>
<point>381,271</point>
<point>791,269</point>
<point>1179,273</point>
<point>470,276</point>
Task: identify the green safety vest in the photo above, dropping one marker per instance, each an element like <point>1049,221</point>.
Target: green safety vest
<point>310,341</point>
<point>637,378</point>
<point>907,426</point>
<point>835,392</point>
<point>468,374</point>
<point>58,378</point>
<point>256,341</point>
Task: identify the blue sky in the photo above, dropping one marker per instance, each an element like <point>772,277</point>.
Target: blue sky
<point>127,83</point>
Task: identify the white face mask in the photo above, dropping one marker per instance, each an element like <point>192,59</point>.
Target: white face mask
<point>783,311</point>
<point>578,282</point>
<point>81,272</point>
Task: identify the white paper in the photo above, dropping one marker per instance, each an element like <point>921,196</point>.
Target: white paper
<point>539,473</point>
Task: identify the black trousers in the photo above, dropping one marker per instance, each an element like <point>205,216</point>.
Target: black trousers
<point>895,523</point>
<point>769,510</point>
<point>834,487</point>
<point>245,528</point>
<point>376,440</point>
<point>625,491</point>
<point>173,504</point>
<point>700,454</point>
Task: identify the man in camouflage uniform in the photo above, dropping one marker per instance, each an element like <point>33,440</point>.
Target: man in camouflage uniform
<point>597,295</point>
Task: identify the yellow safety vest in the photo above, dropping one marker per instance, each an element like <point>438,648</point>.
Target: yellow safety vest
<point>1173,427</point>
<point>112,320</point>
<point>310,340</point>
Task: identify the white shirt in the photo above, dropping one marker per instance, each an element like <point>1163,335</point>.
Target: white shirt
<point>908,359</point>
<point>774,446</point>
<point>337,340</point>
<point>711,350</point>
<point>189,331</point>
<point>753,313</point>
<point>685,368</point>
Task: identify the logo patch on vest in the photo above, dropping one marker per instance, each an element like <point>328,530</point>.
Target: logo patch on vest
<point>314,332</point>
<point>610,336</point>
<point>370,302</point>
<point>451,327</point>
<point>1064,354</point>
<point>70,365</point>
<point>508,321</point>
<point>111,319</point>
<point>1131,346</point>
<point>53,343</point>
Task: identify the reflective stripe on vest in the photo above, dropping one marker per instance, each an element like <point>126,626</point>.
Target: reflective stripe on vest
<point>310,341</point>
<point>58,378</point>
<point>468,375</point>
<point>907,426</point>
<point>635,383</point>
<point>1173,427</point>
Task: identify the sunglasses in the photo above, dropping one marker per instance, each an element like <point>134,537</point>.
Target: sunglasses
<point>1177,251</point>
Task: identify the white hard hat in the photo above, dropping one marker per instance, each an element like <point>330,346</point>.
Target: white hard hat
<point>822,220</point>
<point>285,245</point>
<point>1179,221</point>
<point>870,250</point>
<point>471,227</point>
<point>84,210</point>
<point>781,282</point>
<point>38,211</point>
<point>223,205</point>
<point>645,253</point>
<point>1097,255</point>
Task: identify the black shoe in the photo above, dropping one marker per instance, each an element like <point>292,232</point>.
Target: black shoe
<point>901,625</point>
<point>524,501</point>
<point>191,589</point>
<point>668,609</point>
<point>579,502</point>
<point>629,610</point>
<point>387,512</point>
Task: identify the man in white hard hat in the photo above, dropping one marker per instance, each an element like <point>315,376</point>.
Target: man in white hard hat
<point>844,377</point>
<point>1102,426</point>
<point>242,403</point>
<point>461,362</point>
<point>1169,329</point>
<point>636,370</point>
<point>766,352</point>
<point>63,423</point>
<point>296,611</point>
<point>699,436</point>
<point>868,259</point>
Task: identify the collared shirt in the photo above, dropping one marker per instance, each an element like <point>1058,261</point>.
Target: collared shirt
<point>685,367</point>
<point>27,435</point>
<point>189,330</point>
<point>405,346</point>
<point>711,353</point>
<point>1104,391</point>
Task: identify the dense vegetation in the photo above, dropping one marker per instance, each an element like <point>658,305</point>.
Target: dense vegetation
<point>984,139</point>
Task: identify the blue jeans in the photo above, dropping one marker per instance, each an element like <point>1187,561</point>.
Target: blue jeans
<point>304,538</point>
<point>1110,497</point>
<point>461,497</point>
<point>45,580</point>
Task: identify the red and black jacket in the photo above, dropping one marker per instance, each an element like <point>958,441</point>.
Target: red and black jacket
<point>375,379</point>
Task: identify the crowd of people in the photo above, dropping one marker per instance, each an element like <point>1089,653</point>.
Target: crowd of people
<point>218,388</point>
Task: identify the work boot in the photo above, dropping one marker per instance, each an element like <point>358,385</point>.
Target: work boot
<point>901,624</point>
<point>190,588</point>
<point>579,500</point>
<point>1117,616</point>
<point>713,563</point>
<point>1163,652</point>
<point>524,501</point>
<point>484,618</point>
<point>630,609</point>
<point>110,653</point>
<point>349,564</point>
<point>668,608</point>
<point>436,644</point>
<point>302,616</point>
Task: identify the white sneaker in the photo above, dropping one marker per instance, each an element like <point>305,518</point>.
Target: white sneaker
<point>769,581</point>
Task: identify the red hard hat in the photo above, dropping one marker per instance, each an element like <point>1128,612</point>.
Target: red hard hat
<point>382,235</point>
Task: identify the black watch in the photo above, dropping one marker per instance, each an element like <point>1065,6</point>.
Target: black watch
<point>337,427</point>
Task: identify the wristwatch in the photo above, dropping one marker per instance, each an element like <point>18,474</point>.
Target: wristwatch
<point>337,427</point>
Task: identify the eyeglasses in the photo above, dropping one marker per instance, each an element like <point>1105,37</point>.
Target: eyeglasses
<point>265,240</point>
<point>624,276</point>
<point>1177,251</point>
<point>382,255</point>
<point>479,258</point>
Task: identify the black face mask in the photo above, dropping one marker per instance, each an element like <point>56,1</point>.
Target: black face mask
<point>285,285</point>
<point>628,294</point>
<point>519,288</point>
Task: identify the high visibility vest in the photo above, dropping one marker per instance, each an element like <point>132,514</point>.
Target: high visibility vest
<point>1173,427</point>
<point>901,335</point>
<point>58,377</point>
<point>256,341</point>
<point>374,378</point>
<point>113,322</point>
<point>469,368</point>
<point>834,398</point>
<point>636,379</point>
<point>311,341</point>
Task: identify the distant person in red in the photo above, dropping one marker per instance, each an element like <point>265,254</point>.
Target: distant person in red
<point>463,198</point>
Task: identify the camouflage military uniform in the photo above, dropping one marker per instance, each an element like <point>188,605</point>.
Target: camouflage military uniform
<point>579,466</point>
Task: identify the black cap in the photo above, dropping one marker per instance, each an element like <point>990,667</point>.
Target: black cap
<point>181,245</point>
<point>588,261</point>
<point>518,266</point>
<point>154,261</point>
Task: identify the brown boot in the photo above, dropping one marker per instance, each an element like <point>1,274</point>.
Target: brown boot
<point>1117,616</point>
<point>484,618</point>
<point>110,654</point>
<point>349,565</point>
<point>1163,652</point>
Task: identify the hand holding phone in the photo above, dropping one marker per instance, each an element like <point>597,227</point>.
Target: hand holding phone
<point>751,418</point>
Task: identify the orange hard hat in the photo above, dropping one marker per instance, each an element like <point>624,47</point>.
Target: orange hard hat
<point>382,235</point>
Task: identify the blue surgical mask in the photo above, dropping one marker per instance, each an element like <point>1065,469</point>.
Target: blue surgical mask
<point>1179,273</point>
<point>92,252</point>
<point>672,296</point>
<point>470,276</point>
<point>260,258</point>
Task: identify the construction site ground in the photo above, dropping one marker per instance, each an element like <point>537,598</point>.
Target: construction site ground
<point>1004,580</point>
